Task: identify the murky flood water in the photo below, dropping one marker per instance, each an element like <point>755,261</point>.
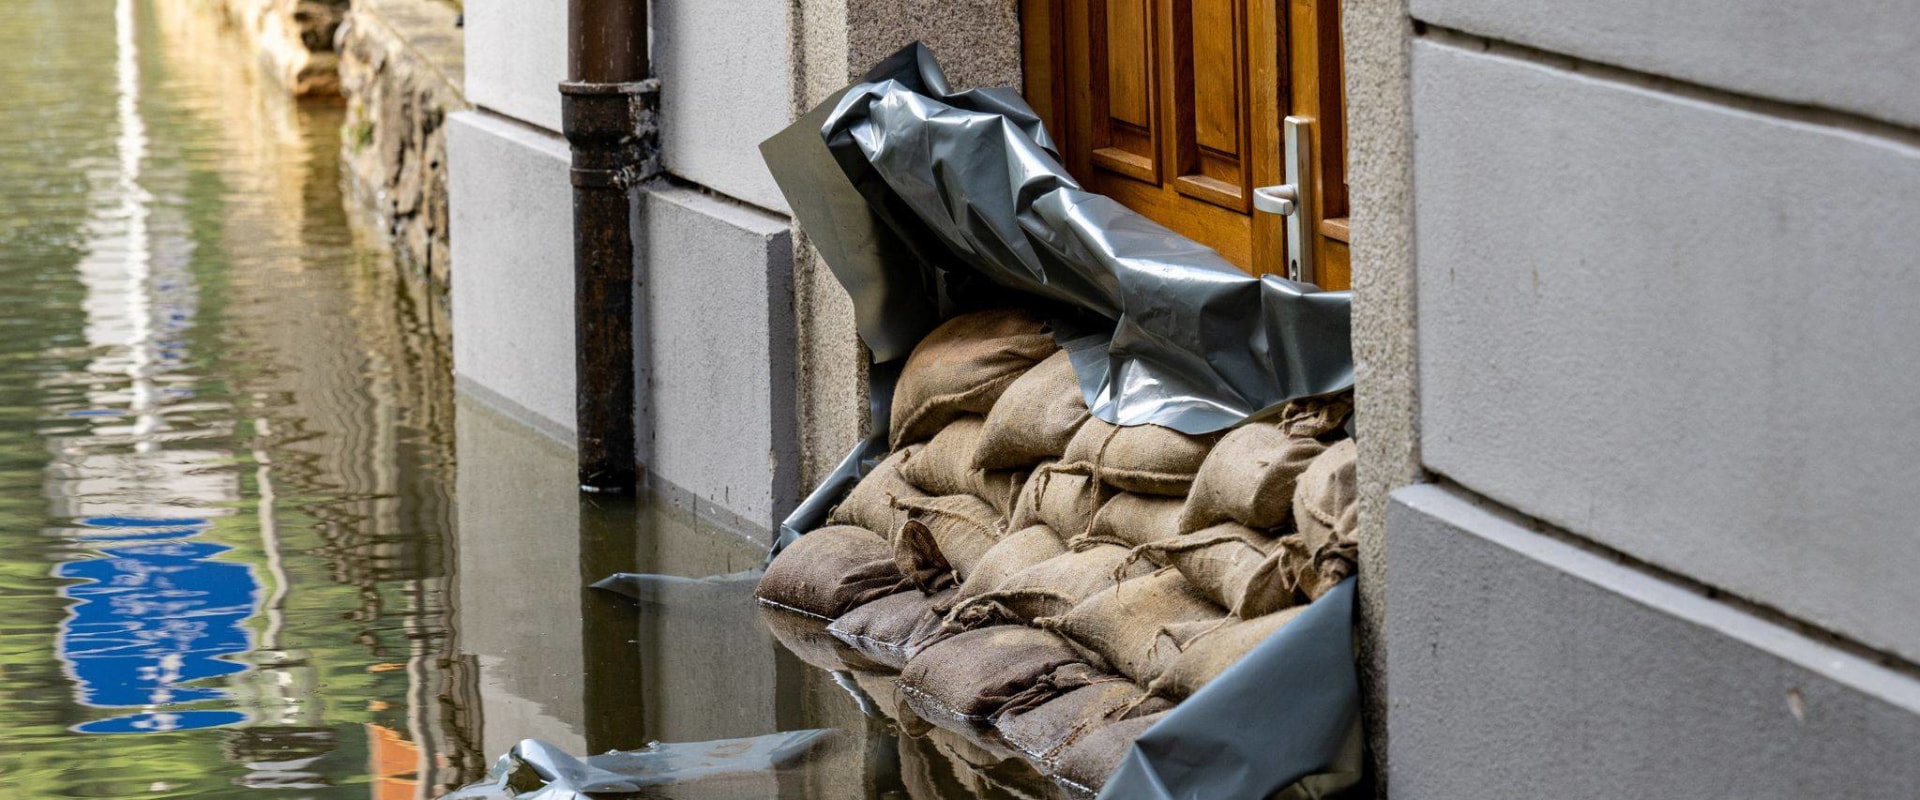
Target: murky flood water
<point>229,558</point>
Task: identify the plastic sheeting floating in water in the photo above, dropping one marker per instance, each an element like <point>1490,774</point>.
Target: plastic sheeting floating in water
<point>536,770</point>
<point>925,202</point>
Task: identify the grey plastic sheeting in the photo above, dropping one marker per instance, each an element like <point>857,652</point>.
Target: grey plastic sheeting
<point>1283,720</point>
<point>925,201</point>
<point>623,773</point>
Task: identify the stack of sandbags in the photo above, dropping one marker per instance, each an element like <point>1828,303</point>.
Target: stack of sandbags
<point>1050,584</point>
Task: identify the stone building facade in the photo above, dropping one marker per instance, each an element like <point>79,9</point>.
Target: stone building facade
<point>1633,293</point>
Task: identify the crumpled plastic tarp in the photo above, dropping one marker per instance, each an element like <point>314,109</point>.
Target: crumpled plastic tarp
<point>560,776</point>
<point>924,202</point>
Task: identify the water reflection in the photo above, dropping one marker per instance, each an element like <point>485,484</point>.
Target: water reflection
<point>225,440</point>
<point>150,621</point>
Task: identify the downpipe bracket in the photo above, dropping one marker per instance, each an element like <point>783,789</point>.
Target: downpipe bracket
<point>614,132</point>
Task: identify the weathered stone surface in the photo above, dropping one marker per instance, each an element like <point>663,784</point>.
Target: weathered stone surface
<point>294,39</point>
<point>402,70</point>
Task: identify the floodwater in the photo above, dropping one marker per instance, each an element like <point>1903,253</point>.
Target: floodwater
<point>238,557</point>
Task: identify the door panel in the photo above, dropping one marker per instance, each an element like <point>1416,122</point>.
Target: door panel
<point>1125,119</point>
<point>1174,108</point>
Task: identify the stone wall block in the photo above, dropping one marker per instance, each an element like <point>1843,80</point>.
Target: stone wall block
<point>402,67</point>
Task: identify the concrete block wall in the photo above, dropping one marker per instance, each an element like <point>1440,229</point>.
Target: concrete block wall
<point>725,86</point>
<point>714,349</point>
<point>1533,668</point>
<point>516,58</point>
<point>1663,295</point>
<point>719,354</point>
<point>512,304</point>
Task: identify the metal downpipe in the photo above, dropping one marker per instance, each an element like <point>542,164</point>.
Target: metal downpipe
<point>607,113</point>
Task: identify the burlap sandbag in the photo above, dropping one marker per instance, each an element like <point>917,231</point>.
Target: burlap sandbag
<point>1014,552</point>
<point>1249,478</point>
<point>962,367</point>
<point>944,533</point>
<point>1135,519</point>
<point>1063,497</point>
<point>1087,761</point>
<point>974,674</point>
<point>1049,588</point>
<point>1210,651</point>
<point>1232,565</point>
<point>1316,417</point>
<point>885,629</point>
<point>1326,513</point>
<point>1040,732</point>
<point>1122,624</point>
<point>1035,418</point>
<point>945,466</point>
<point>831,570</point>
<point>870,503</point>
<point>1148,459</point>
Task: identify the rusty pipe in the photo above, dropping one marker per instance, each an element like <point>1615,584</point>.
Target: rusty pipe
<point>607,41</point>
<point>607,106</point>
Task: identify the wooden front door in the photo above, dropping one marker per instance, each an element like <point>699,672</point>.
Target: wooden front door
<point>1176,108</point>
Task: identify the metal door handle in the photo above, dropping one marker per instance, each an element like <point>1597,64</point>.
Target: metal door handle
<point>1294,199</point>
<point>1282,199</point>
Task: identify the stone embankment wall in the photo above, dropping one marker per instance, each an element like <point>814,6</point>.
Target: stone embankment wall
<point>294,39</point>
<point>402,70</point>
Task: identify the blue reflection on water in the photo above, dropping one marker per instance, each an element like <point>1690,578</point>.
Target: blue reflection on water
<point>149,620</point>
<point>161,721</point>
<point>124,529</point>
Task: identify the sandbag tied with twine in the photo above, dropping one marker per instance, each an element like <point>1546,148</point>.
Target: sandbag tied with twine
<point>971,676</point>
<point>1317,417</point>
<point>1326,513</point>
<point>1041,731</point>
<point>1049,588</point>
<point>885,629</point>
<point>1147,459</point>
<point>870,503</point>
<point>945,466</point>
<point>1034,418</point>
<point>1231,564</point>
<point>1132,519</point>
<point>1208,652</point>
<point>1014,552</point>
<point>831,570</point>
<point>962,367</point>
<point>1062,496</point>
<point>943,538</point>
<point>1249,478</point>
<point>1122,624</point>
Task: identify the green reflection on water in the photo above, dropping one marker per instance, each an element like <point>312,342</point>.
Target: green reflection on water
<point>190,330</point>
